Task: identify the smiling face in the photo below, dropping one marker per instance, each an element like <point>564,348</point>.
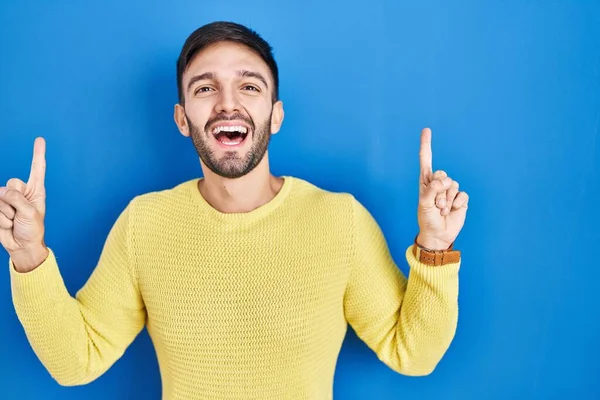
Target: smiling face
<point>229,111</point>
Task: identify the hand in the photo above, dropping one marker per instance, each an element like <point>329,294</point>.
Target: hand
<point>442,208</point>
<point>22,212</point>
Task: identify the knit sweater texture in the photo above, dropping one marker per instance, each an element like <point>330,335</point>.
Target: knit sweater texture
<point>250,305</point>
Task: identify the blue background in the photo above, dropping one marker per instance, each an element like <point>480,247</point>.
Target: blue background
<point>511,90</point>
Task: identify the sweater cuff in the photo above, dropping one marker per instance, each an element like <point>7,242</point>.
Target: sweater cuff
<point>37,288</point>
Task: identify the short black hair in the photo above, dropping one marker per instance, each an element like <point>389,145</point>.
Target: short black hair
<point>221,31</point>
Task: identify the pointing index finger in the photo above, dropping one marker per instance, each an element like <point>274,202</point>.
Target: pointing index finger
<point>38,164</point>
<point>425,154</point>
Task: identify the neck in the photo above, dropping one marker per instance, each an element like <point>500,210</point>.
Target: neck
<point>240,195</point>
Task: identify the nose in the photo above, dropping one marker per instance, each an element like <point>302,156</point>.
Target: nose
<point>228,102</point>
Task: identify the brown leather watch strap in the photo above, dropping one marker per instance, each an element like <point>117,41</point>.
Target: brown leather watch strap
<point>435,257</point>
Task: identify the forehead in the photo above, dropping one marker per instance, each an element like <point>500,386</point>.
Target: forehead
<point>226,58</point>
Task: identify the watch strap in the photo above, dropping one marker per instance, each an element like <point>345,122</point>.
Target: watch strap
<point>435,257</point>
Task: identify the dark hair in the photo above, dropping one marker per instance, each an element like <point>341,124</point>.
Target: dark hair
<point>221,31</point>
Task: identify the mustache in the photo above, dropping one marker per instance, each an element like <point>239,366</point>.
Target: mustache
<point>224,117</point>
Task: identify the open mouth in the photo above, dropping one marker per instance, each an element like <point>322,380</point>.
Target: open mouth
<point>230,135</point>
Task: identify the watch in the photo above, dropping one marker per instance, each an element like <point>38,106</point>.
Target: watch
<point>435,257</point>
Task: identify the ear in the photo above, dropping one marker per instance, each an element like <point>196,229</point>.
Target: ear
<point>181,121</point>
<point>277,117</point>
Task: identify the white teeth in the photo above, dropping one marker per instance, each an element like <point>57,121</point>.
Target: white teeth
<point>238,128</point>
<point>230,143</point>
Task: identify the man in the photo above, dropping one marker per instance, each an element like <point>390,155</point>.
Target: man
<point>246,281</point>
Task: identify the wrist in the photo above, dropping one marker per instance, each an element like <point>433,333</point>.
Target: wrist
<point>434,252</point>
<point>430,243</point>
<point>26,260</point>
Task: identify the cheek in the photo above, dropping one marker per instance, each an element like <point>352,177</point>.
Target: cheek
<point>198,114</point>
<point>258,110</point>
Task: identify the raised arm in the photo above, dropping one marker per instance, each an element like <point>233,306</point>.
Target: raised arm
<point>76,338</point>
<point>408,323</point>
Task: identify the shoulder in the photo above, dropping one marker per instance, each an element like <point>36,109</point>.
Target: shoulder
<point>320,198</point>
<point>338,204</point>
<point>163,199</point>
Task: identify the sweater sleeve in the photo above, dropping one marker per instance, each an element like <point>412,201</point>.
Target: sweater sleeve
<point>408,323</point>
<point>78,338</point>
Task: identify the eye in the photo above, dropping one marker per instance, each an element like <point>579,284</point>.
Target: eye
<point>251,87</point>
<point>202,89</point>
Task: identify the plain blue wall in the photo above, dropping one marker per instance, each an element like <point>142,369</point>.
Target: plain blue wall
<point>511,90</point>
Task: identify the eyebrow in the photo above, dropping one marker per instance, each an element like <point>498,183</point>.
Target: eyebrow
<point>250,74</point>
<point>201,77</point>
<point>241,73</point>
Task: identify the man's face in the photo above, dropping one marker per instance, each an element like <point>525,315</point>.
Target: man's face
<point>229,110</point>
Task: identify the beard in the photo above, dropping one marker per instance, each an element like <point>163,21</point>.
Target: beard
<point>231,165</point>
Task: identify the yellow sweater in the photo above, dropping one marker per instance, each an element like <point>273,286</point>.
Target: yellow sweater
<point>241,306</point>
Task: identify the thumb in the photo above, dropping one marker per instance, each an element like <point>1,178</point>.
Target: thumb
<point>431,190</point>
<point>17,184</point>
<point>35,192</point>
